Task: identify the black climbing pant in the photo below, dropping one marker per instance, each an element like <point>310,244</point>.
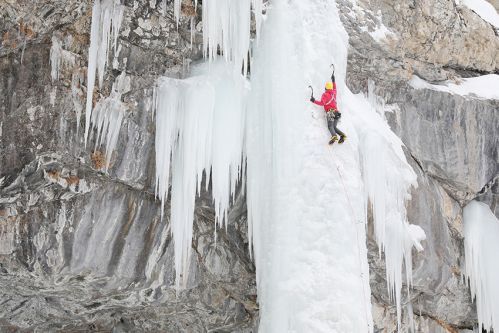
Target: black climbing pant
<point>332,123</point>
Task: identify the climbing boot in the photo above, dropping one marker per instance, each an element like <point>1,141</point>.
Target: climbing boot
<point>342,138</point>
<point>334,138</point>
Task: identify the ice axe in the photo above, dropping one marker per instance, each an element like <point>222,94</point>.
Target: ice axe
<point>312,95</point>
<point>332,75</point>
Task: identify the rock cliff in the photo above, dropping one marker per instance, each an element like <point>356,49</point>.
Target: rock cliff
<point>58,205</point>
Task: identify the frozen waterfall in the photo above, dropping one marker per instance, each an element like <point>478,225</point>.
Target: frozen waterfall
<point>106,22</point>
<point>307,201</point>
<point>199,131</point>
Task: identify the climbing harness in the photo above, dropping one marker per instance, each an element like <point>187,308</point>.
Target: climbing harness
<point>354,216</point>
<point>331,115</point>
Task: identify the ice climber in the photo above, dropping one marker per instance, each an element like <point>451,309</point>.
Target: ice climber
<point>328,101</point>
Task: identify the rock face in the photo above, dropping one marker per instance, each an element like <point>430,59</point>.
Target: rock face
<point>435,39</point>
<point>81,248</point>
<point>78,244</point>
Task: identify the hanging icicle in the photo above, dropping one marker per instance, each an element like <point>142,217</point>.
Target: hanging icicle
<point>481,232</point>
<point>106,21</point>
<point>199,132</point>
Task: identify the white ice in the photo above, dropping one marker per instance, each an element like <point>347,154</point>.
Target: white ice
<point>484,87</point>
<point>227,28</point>
<point>307,201</point>
<point>481,234</point>
<point>106,21</point>
<point>199,131</point>
<point>307,223</point>
<point>200,122</point>
<point>59,58</point>
<point>107,117</point>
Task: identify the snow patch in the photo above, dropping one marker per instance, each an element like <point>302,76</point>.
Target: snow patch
<point>484,87</point>
<point>484,9</point>
<point>481,232</point>
<point>381,33</point>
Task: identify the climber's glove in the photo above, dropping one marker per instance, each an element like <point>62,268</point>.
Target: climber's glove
<point>312,99</point>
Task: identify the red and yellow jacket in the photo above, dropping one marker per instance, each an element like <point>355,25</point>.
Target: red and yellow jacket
<point>328,100</point>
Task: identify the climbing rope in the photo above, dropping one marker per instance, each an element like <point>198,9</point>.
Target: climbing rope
<point>354,216</point>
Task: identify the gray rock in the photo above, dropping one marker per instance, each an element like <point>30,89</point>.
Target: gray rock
<point>454,138</point>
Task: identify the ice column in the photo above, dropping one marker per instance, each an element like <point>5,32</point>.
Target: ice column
<point>199,134</point>
<point>226,25</point>
<point>200,122</point>
<point>107,117</point>
<point>59,57</point>
<point>481,246</point>
<point>106,21</point>
<point>227,28</point>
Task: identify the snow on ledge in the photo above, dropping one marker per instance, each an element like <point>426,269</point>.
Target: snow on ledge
<point>483,9</point>
<point>484,87</point>
<point>381,33</point>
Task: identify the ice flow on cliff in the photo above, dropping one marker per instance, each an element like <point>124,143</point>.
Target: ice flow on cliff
<point>307,202</point>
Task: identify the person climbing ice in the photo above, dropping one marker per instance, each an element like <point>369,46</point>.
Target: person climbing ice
<point>328,101</point>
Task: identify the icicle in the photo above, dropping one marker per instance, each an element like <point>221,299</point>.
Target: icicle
<point>108,116</point>
<point>177,4</point>
<point>481,232</point>
<point>22,52</point>
<point>226,26</point>
<point>193,28</point>
<point>257,9</point>
<point>106,21</point>
<point>166,103</point>
<point>199,130</point>
<point>59,57</point>
<point>76,93</point>
<point>387,188</point>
